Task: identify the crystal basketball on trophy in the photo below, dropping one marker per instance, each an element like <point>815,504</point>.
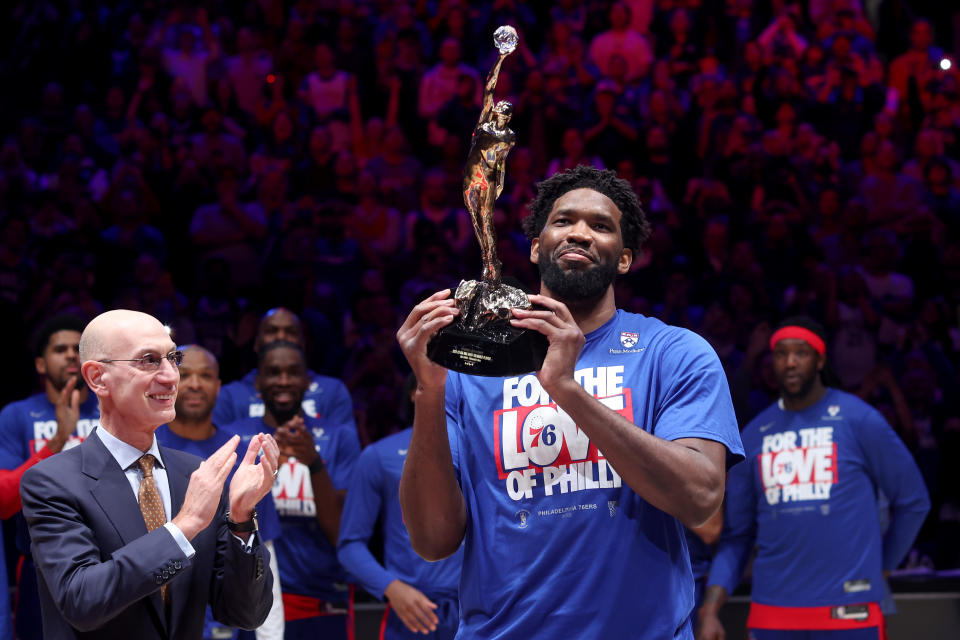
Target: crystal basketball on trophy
<point>482,341</point>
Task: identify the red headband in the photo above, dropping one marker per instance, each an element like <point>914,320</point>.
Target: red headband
<point>799,333</point>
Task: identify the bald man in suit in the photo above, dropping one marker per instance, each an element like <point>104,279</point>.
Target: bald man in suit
<point>132,540</point>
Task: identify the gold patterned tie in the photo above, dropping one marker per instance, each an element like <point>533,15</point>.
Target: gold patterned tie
<point>151,505</point>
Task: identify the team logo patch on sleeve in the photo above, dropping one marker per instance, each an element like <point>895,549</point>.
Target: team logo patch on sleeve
<point>629,339</point>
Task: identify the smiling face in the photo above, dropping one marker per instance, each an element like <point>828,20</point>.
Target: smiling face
<point>580,250</point>
<point>282,381</point>
<point>61,358</point>
<point>134,398</point>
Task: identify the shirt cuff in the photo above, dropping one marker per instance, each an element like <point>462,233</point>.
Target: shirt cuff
<point>248,543</point>
<point>180,539</point>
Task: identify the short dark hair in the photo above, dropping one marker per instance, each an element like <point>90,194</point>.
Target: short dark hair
<point>633,221</point>
<point>53,324</point>
<point>279,344</point>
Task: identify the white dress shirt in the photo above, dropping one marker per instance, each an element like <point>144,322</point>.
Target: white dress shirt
<point>126,456</point>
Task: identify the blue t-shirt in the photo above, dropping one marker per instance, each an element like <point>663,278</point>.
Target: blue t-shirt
<point>25,427</point>
<point>556,544</point>
<point>326,398</point>
<point>268,521</point>
<point>374,491</point>
<point>808,499</point>
<point>308,563</point>
<point>700,554</point>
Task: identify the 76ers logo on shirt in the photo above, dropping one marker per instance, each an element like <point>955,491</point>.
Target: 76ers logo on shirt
<point>538,437</point>
<point>798,466</point>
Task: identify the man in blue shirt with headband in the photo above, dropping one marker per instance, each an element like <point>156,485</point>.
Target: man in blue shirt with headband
<point>807,499</point>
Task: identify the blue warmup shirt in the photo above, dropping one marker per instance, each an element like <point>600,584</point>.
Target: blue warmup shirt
<point>808,498</point>
<point>25,427</point>
<point>268,521</point>
<point>326,398</point>
<point>374,490</point>
<point>308,562</point>
<point>700,554</point>
<point>556,544</point>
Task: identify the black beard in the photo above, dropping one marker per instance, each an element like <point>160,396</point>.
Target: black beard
<point>805,388</point>
<point>282,414</point>
<point>574,285</point>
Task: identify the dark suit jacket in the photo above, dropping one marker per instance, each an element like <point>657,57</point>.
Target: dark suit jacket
<point>100,571</point>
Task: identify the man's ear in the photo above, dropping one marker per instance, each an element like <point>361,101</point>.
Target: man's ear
<point>92,373</point>
<point>40,365</point>
<point>626,259</point>
<point>535,251</point>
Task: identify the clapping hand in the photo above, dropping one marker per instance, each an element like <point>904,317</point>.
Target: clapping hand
<point>296,442</point>
<point>253,479</point>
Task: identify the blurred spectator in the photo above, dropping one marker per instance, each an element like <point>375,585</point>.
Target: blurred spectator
<point>439,84</point>
<point>215,148</point>
<point>328,90</point>
<point>435,221</point>
<point>231,230</point>
<point>621,40</point>
<point>609,126</point>
<point>375,226</point>
<point>187,61</point>
<point>890,292</point>
<point>130,234</point>
<point>248,69</point>
<point>942,196</point>
<point>396,171</point>
<point>910,66</point>
<point>888,195</point>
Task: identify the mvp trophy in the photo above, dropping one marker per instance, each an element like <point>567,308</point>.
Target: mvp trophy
<point>481,340</point>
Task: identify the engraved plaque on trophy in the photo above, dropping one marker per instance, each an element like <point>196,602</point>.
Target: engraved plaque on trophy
<point>481,340</point>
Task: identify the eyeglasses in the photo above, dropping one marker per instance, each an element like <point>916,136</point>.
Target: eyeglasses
<point>152,361</point>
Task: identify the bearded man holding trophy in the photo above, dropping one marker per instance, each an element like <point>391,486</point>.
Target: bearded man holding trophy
<point>567,473</point>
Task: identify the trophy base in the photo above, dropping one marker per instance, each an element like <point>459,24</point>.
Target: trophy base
<point>509,352</point>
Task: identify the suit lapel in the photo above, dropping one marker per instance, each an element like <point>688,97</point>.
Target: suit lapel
<point>178,478</point>
<point>113,493</point>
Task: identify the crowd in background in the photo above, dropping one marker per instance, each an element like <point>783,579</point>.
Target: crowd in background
<point>206,161</point>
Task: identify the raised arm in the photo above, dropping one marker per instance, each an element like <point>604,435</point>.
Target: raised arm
<point>682,477</point>
<point>430,497</point>
<point>489,88</point>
